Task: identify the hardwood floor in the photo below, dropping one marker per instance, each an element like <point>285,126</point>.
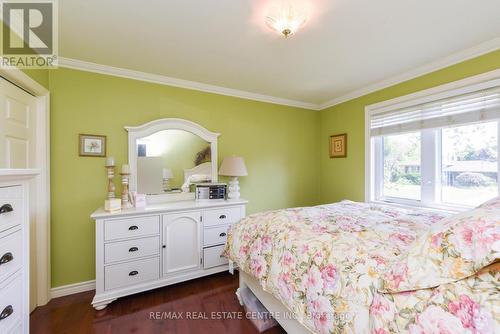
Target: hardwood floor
<point>74,314</point>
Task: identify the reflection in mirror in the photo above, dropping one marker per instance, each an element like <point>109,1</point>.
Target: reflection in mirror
<point>168,161</point>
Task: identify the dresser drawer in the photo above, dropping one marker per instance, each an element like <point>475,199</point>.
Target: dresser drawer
<point>11,304</point>
<point>11,211</point>
<point>131,249</point>
<point>212,257</point>
<point>131,227</point>
<point>130,273</point>
<point>215,235</point>
<point>11,192</point>
<point>221,216</point>
<point>11,254</point>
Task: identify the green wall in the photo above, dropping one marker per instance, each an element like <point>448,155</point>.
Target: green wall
<point>285,148</point>
<point>40,76</point>
<point>280,145</point>
<point>344,178</point>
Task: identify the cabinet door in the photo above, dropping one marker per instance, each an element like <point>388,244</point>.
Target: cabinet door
<point>181,242</point>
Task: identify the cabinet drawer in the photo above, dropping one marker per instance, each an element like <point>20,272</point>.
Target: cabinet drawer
<point>11,192</point>
<point>11,212</point>
<point>131,249</point>
<point>11,254</point>
<point>11,304</point>
<point>215,235</point>
<point>130,273</point>
<point>221,216</point>
<point>212,257</point>
<point>131,227</point>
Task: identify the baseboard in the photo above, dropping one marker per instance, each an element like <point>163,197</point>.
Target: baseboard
<point>70,289</point>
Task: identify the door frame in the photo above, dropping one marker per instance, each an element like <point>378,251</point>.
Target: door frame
<point>41,182</point>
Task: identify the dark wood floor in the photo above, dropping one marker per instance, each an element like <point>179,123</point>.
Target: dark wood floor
<point>74,314</point>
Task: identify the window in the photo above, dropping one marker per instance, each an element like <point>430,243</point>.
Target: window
<point>469,163</point>
<point>436,150</point>
<point>402,166</point>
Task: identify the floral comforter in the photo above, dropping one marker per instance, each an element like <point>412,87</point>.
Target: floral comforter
<point>326,263</point>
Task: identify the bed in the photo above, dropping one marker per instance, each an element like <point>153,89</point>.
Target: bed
<point>362,268</point>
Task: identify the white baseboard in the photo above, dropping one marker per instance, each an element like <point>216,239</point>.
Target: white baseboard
<point>70,289</point>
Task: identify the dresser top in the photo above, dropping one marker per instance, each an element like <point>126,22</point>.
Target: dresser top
<point>168,207</point>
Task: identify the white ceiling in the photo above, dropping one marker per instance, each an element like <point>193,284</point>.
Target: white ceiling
<point>345,46</point>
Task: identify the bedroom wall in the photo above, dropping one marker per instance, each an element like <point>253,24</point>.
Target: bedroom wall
<point>344,178</point>
<point>280,145</point>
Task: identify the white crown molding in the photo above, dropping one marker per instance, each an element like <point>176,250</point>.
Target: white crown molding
<point>453,59</point>
<point>169,81</point>
<point>70,289</point>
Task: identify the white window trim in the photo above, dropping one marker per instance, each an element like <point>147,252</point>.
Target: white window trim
<point>373,147</point>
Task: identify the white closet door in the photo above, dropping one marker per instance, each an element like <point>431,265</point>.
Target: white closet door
<point>17,127</point>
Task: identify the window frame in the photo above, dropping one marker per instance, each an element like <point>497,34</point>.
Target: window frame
<point>430,172</point>
<point>430,147</point>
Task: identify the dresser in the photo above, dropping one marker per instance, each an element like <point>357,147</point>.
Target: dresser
<point>14,250</point>
<point>162,244</point>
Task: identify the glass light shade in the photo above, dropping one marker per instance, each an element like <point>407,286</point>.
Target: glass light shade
<point>286,18</point>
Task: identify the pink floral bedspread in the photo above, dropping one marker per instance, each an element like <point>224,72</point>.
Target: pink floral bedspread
<point>324,263</point>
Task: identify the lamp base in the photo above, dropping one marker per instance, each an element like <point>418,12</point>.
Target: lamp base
<point>234,189</point>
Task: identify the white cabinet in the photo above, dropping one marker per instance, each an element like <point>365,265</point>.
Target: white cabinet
<point>14,251</point>
<point>144,249</point>
<point>181,242</point>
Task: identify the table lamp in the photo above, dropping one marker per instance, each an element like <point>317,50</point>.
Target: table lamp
<point>233,167</point>
<point>167,175</point>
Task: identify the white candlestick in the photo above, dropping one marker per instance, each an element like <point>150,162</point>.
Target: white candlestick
<point>125,169</point>
<point>110,161</point>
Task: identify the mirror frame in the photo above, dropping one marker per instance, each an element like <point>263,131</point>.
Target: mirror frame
<point>144,130</point>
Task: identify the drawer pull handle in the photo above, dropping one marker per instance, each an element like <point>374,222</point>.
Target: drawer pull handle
<point>133,273</point>
<point>223,234</point>
<point>133,228</point>
<point>6,208</point>
<point>133,249</point>
<point>7,311</point>
<point>6,258</point>
<point>222,217</point>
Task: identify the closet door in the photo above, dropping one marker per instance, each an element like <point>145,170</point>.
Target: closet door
<point>17,127</point>
<point>181,242</point>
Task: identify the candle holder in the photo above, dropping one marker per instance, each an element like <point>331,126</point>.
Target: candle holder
<point>166,185</point>
<point>125,201</point>
<point>111,185</point>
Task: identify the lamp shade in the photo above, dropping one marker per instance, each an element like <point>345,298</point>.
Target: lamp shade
<point>233,166</point>
<point>167,173</point>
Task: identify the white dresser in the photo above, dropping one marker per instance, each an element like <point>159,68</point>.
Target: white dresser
<point>14,250</point>
<point>143,249</point>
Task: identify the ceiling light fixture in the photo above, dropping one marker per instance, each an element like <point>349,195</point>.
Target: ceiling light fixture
<point>286,18</point>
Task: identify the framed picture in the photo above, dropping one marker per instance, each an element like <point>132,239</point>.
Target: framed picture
<point>338,146</point>
<point>92,146</point>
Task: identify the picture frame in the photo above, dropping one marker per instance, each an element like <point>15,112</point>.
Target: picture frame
<point>338,146</point>
<point>92,145</point>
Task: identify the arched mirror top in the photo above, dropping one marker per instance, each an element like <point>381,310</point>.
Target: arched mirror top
<point>167,156</point>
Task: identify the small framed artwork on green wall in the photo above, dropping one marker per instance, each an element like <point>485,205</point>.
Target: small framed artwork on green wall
<point>92,145</point>
<point>338,146</point>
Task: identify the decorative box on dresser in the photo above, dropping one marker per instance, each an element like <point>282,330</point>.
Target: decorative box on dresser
<point>162,244</point>
<point>14,250</point>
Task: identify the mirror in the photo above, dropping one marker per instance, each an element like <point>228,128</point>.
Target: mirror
<point>168,156</point>
<point>166,161</point>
